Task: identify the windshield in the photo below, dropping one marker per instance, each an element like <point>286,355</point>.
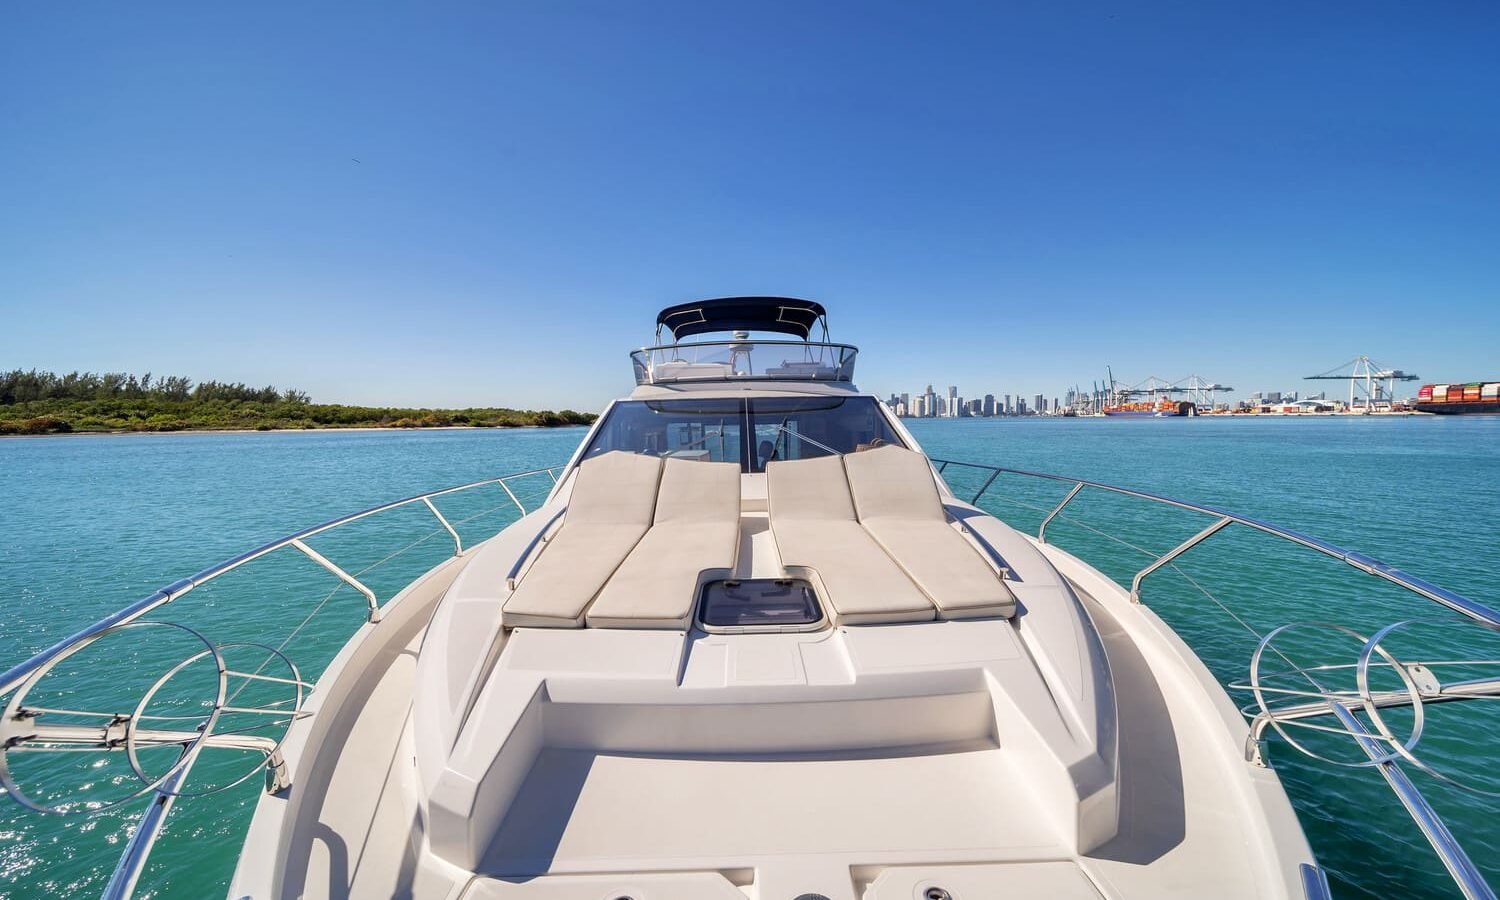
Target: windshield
<point>750,432</point>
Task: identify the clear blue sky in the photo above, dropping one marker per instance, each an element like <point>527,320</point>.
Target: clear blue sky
<point>1006,197</point>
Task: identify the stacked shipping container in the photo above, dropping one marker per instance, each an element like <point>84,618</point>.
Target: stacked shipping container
<point>1473,397</point>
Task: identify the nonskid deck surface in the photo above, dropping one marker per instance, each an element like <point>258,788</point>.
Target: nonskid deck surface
<point>964,814</point>
<point>582,811</point>
<point>1051,879</point>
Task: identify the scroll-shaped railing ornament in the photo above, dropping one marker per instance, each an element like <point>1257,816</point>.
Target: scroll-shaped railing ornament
<point>1362,699</point>
<point>214,721</point>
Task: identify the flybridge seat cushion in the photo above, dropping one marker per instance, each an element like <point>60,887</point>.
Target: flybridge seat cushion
<point>802,369</point>
<point>899,505</point>
<point>678,369</point>
<point>695,536</point>
<point>813,522</point>
<point>612,505</point>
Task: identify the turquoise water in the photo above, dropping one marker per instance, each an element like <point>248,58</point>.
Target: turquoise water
<point>91,523</point>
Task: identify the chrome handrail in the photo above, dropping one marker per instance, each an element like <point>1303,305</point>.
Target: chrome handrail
<point>123,880</point>
<point>1466,876</point>
<point>515,569</point>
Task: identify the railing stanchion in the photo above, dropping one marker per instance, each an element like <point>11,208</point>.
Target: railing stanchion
<point>1041,533</point>
<point>343,576</point>
<point>1185,546</point>
<point>458,545</point>
<point>994,473</point>
<point>505,487</point>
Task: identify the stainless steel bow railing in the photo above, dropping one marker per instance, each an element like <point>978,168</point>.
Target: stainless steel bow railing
<point>166,789</point>
<point>1364,562</point>
<point>25,727</point>
<point>1377,747</point>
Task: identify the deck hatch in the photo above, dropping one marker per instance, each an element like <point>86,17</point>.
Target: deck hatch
<point>760,604</point>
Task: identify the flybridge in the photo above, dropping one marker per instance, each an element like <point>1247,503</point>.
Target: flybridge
<point>781,315</point>
<point>742,358</point>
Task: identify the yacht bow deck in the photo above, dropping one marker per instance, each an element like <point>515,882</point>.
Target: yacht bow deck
<point>866,761</point>
<point>989,737</point>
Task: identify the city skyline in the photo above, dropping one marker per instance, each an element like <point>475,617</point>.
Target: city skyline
<point>930,404</point>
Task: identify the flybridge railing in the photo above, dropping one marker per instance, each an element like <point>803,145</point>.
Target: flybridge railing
<point>33,726</point>
<point>1295,695</point>
<point>744,360</point>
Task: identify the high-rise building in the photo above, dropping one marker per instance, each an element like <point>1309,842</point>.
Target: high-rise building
<point>988,409</point>
<point>1041,404</point>
<point>1005,409</point>
<point>953,400</point>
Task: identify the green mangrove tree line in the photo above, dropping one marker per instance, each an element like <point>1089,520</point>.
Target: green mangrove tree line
<point>34,402</point>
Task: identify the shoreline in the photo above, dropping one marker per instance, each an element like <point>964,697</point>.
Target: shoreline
<point>127,432</point>
<point>1210,416</point>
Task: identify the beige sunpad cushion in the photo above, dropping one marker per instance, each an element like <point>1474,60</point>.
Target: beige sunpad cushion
<point>812,520</point>
<point>696,534</point>
<point>899,505</point>
<point>616,487</point>
<point>613,501</point>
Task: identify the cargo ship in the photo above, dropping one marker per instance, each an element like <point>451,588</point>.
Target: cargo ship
<point>1158,409</point>
<point>1158,403</point>
<point>1460,399</point>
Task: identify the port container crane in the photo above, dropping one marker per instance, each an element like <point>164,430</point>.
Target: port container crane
<point>1377,382</point>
